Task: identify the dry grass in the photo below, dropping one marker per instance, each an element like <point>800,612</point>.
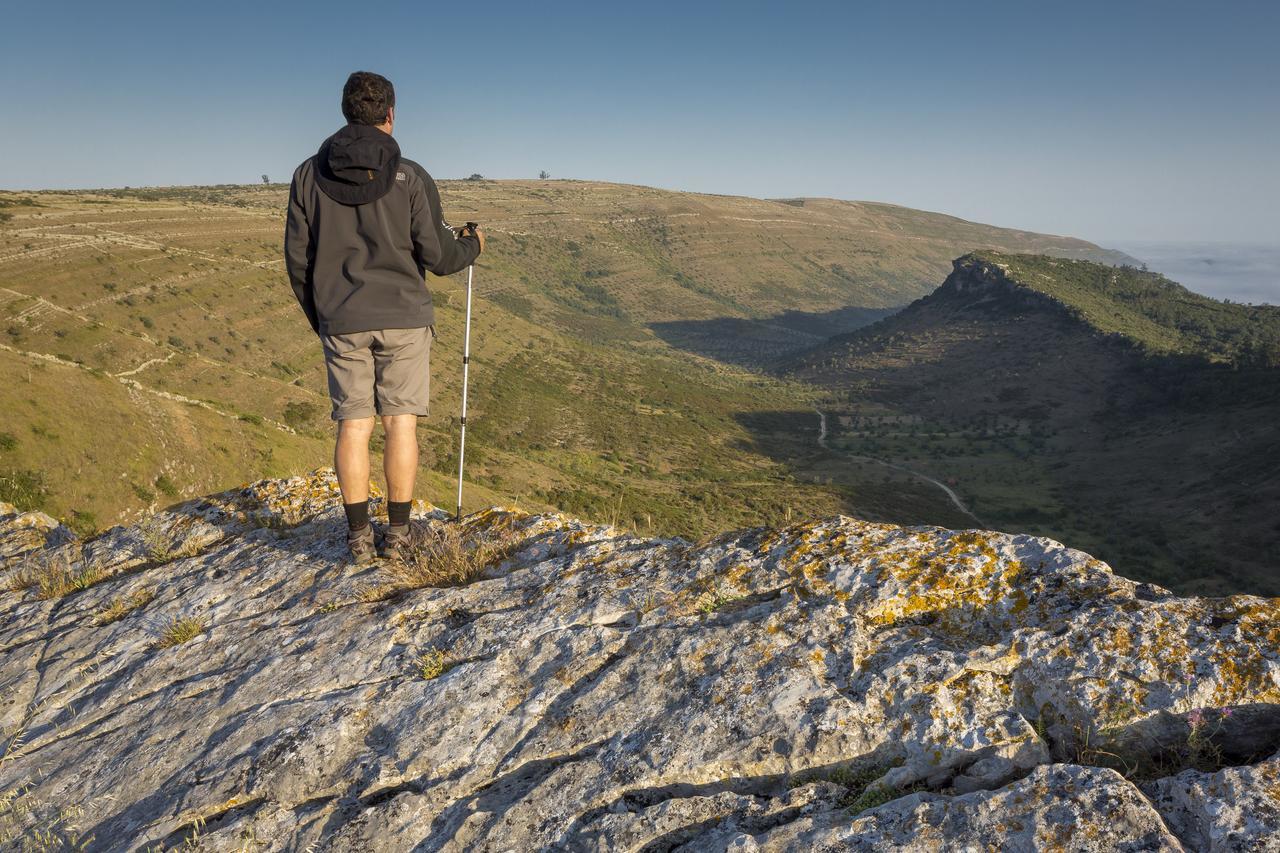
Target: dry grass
<point>28,823</point>
<point>122,607</point>
<point>444,554</point>
<point>159,545</point>
<point>179,630</point>
<point>55,574</point>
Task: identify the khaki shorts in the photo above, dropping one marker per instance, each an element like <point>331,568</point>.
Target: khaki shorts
<point>385,372</point>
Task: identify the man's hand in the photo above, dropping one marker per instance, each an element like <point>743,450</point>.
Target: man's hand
<point>469,229</point>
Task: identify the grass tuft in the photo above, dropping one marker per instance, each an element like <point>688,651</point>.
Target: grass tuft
<point>122,607</point>
<point>53,575</point>
<point>179,630</point>
<point>443,554</point>
<point>159,546</point>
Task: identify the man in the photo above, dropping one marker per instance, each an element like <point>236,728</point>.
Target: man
<point>364,226</point>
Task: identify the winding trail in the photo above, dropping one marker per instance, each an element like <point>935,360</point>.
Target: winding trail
<point>955,499</point>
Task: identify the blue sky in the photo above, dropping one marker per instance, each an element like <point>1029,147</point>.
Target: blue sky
<point>1111,121</point>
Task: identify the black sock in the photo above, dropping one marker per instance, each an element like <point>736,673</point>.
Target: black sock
<point>357,515</point>
<point>398,512</point>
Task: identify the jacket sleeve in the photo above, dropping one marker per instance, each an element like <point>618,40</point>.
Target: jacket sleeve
<point>299,255</point>
<point>435,246</point>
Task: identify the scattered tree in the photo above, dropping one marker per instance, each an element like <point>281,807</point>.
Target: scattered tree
<point>544,175</point>
<point>476,176</point>
<point>265,179</point>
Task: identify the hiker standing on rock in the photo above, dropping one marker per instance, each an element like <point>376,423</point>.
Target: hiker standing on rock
<point>364,227</point>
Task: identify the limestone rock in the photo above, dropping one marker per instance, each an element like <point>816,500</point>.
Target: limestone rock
<point>225,675</point>
<point>1236,808</point>
<point>1055,807</point>
<point>21,533</point>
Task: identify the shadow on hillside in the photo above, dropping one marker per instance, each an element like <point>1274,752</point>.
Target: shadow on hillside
<point>760,343</point>
<point>866,490</point>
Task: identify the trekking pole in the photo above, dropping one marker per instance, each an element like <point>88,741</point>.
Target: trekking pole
<point>466,363</point>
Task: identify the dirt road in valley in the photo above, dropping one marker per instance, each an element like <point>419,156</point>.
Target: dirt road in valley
<point>954,498</point>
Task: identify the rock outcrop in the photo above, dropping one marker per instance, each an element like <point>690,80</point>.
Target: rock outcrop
<point>218,676</point>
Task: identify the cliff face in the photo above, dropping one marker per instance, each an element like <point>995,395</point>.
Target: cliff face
<point>983,280</point>
<point>217,673</point>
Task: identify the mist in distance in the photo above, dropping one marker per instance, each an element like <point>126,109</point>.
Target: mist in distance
<point>1241,272</point>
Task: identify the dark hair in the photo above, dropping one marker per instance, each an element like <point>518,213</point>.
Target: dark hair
<point>367,97</point>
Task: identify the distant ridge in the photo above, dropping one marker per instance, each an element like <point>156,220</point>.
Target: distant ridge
<point>1158,315</point>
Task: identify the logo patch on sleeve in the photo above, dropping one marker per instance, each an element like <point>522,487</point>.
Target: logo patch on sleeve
<point>400,176</point>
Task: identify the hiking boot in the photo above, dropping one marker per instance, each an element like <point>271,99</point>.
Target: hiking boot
<point>396,541</point>
<point>360,544</point>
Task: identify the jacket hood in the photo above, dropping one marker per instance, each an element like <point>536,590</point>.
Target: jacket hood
<point>357,165</point>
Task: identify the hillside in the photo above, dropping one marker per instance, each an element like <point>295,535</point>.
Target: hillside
<point>1151,312</point>
<point>216,677</point>
<point>152,349</point>
<point>1103,406</point>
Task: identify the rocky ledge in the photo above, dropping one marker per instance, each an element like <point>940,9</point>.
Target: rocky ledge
<point>218,677</point>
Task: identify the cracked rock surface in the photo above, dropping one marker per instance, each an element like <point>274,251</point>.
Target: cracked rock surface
<point>830,685</point>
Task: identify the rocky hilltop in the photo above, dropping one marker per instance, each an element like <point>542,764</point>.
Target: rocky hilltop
<point>218,677</point>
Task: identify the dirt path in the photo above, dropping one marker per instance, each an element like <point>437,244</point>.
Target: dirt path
<point>955,499</point>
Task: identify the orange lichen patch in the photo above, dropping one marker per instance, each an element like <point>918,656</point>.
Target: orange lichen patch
<point>1243,677</point>
<point>817,656</point>
<point>1258,617</point>
<point>1121,640</point>
<point>698,659</point>
<point>953,587</point>
<point>737,575</point>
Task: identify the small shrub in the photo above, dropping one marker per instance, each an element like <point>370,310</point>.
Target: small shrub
<point>249,417</point>
<point>166,486</point>
<point>877,795</point>
<point>8,441</point>
<point>179,630</point>
<point>432,664</point>
<point>83,522</point>
<point>298,414</point>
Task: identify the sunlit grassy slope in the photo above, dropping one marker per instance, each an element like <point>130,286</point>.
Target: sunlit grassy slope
<point>153,350</point>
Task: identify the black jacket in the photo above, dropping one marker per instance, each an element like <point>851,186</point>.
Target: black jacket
<point>364,227</point>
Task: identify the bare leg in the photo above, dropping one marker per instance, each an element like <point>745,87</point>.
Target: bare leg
<point>351,459</point>
<point>400,459</point>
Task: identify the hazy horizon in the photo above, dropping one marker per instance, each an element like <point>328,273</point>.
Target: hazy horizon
<point>1241,272</point>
